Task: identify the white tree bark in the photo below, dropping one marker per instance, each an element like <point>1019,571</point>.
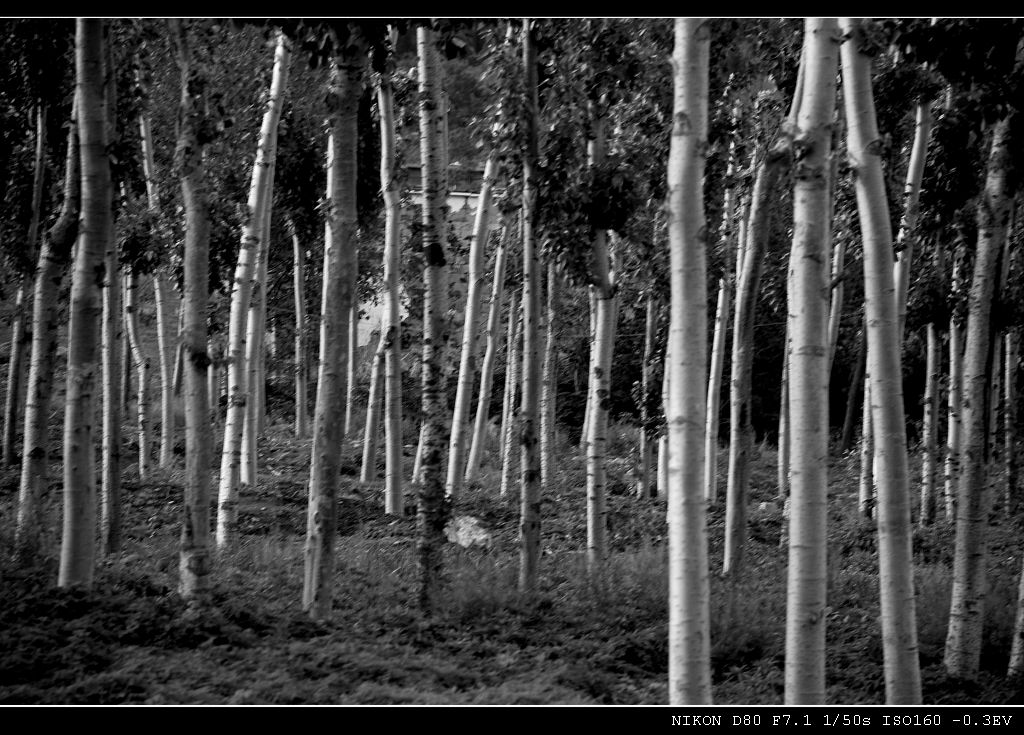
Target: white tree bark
<point>689,620</point>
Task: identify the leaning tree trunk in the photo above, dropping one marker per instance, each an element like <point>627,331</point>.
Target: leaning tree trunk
<point>715,391</point>
<point>241,294</point>
<point>78,548</point>
<point>741,432</point>
<point>21,336</point>
<point>54,256</point>
<point>255,354</point>
<point>808,374</point>
<point>467,362</point>
<point>493,336</point>
<point>529,465</point>
<point>368,469</point>
<point>337,299</point>
<point>963,639</point>
<point>432,513</point>
<point>506,436</point>
<point>895,573</point>
<point>392,301</point>
<point>194,555</point>
<point>689,680</point>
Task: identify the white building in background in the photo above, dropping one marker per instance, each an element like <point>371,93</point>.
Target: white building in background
<point>462,206</point>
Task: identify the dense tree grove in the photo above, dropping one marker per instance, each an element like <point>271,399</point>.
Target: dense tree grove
<point>674,360</point>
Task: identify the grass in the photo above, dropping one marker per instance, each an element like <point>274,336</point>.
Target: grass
<point>574,642</point>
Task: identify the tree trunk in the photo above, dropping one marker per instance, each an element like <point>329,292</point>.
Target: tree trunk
<point>963,639</point>
<point>529,465</point>
<point>301,365</point>
<point>477,446</point>
<point>585,431</point>
<point>392,325</point>
<point>166,306</point>
<point>78,547</point>
<point>645,486</point>
<point>54,256</point>
<point>1010,422</point>
<point>1016,667</point>
<point>955,407</point>
<point>715,392</point>
<point>741,432</point>
<point>866,492</point>
<point>142,364</point>
<point>432,512</point>
<point>911,197</point>
<point>895,574</point>
<point>241,294</point>
<point>368,470</point>
<point>337,299</point>
<point>808,374</point>
<point>509,402</point>
<point>255,355</point>
<point>194,557</point>
<point>689,619</point>
<point>852,396</point>
<point>353,351</point>
<point>467,362</point>
<point>21,336</point>
<point>549,383</point>
<point>930,450</point>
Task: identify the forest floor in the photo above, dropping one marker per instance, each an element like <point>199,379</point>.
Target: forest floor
<point>576,642</point>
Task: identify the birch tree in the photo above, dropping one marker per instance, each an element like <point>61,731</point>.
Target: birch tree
<point>689,620</point>
<point>78,548</point>
<point>808,372</point>
<point>882,310</point>
<point>241,293</point>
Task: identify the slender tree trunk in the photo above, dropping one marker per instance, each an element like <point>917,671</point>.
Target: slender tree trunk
<point>866,492</point>
<point>741,431</point>
<point>529,465</point>
<point>255,355</point>
<point>477,446</point>
<point>368,470</point>
<point>339,256</point>
<point>509,402</point>
<point>241,294</point>
<point>782,467</point>
<point>715,392</point>
<point>895,574</point>
<point>689,619</point>
<point>963,639</point>
<point>930,450</point>
<point>194,557</point>
<point>78,547</point>
<point>432,512</point>
<point>142,364</point>
<point>301,365</point>
<point>808,374</point>
<point>467,362</point>
<point>54,256</point>
<point>166,305</point>
<point>1016,667</point>
<point>21,335</point>
<point>549,383</point>
<point>911,197</point>
<point>955,406</point>
<point>392,301</point>
<point>585,431</point>
<point>1012,352</point>
<point>353,351</point>
<point>112,338</point>
<point>645,487</point>
<point>852,402</point>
